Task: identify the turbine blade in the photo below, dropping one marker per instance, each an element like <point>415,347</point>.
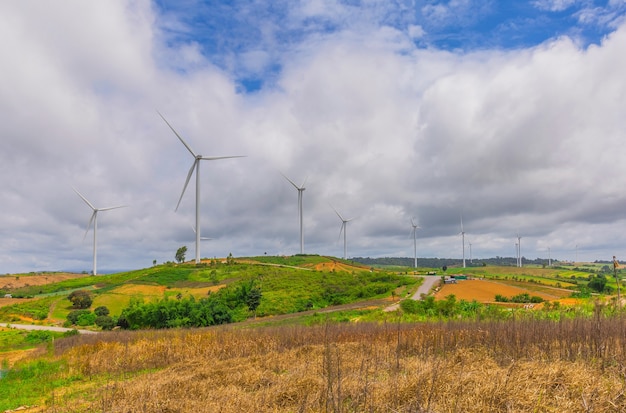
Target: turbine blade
<point>304,182</point>
<point>186,182</point>
<point>337,212</point>
<point>84,199</point>
<point>290,181</point>
<point>114,207</point>
<point>341,229</point>
<point>93,217</point>
<point>176,133</point>
<point>214,158</point>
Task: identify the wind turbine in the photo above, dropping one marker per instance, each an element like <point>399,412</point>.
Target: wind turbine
<point>343,228</point>
<point>300,189</point>
<point>519,251</point>
<point>415,227</point>
<point>94,219</point>
<point>196,166</point>
<point>463,240</point>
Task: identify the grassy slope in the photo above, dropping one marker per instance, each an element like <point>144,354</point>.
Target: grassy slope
<point>289,284</point>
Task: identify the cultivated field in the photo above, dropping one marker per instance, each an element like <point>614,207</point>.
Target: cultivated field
<point>484,291</point>
<point>25,280</point>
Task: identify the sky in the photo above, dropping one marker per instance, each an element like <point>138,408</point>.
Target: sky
<point>509,116</point>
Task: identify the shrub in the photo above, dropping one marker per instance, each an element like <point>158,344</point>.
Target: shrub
<point>86,319</point>
<point>80,299</point>
<point>105,322</point>
<point>72,317</point>
<point>101,311</point>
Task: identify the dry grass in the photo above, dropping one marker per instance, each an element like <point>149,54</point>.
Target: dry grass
<point>516,366</point>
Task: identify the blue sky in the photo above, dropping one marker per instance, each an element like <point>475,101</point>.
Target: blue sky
<point>228,32</point>
<point>509,114</point>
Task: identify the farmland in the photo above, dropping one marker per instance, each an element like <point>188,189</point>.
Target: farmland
<point>320,341</point>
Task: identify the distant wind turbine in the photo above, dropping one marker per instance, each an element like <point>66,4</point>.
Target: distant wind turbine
<point>415,228</point>
<point>196,166</point>
<point>519,251</point>
<point>463,240</point>
<point>343,228</point>
<point>94,219</point>
<point>300,189</point>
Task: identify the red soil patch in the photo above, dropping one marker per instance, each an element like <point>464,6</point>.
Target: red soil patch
<point>24,280</point>
<point>483,291</point>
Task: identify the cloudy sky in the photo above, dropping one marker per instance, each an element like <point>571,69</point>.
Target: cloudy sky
<point>509,114</point>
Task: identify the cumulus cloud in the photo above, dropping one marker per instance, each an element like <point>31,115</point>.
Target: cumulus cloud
<point>526,140</point>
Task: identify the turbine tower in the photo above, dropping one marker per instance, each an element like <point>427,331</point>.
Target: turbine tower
<point>415,227</point>
<point>300,189</point>
<point>94,219</point>
<point>463,240</point>
<point>519,251</point>
<point>343,228</point>
<point>196,166</point>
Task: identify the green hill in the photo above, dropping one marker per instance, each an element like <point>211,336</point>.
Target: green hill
<point>286,285</point>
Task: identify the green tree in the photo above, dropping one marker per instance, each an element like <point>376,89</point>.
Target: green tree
<point>80,299</point>
<point>253,300</point>
<point>105,322</point>
<point>180,254</point>
<point>597,283</point>
<point>102,310</point>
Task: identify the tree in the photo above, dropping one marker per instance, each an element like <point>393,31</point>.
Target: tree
<point>102,310</point>
<point>597,283</point>
<point>105,322</point>
<point>180,254</point>
<point>154,262</point>
<point>80,299</point>
<point>254,299</point>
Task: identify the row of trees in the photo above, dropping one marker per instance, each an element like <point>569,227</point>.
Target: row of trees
<point>228,305</point>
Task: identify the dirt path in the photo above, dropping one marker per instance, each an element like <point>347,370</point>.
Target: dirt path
<point>429,282</point>
<point>48,328</point>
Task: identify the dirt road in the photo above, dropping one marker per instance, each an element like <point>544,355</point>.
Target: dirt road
<point>48,328</point>
<point>429,282</point>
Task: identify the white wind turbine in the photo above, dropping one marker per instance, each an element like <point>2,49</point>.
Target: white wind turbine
<point>94,219</point>
<point>463,240</point>
<point>300,189</point>
<point>343,228</point>
<point>519,251</point>
<point>196,166</point>
<point>415,228</point>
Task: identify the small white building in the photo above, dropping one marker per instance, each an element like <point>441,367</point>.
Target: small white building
<point>8,296</point>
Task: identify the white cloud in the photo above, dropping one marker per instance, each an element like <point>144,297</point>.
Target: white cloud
<point>526,140</point>
<point>554,5</point>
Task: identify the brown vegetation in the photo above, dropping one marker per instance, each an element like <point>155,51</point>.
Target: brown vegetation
<point>574,365</point>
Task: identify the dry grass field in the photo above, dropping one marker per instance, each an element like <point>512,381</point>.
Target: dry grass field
<point>516,366</point>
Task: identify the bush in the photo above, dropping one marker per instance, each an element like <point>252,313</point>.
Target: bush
<point>105,322</point>
<point>72,317</point>
<point>86,319</point>
<point>101,311</point>
<point>80,299</point>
